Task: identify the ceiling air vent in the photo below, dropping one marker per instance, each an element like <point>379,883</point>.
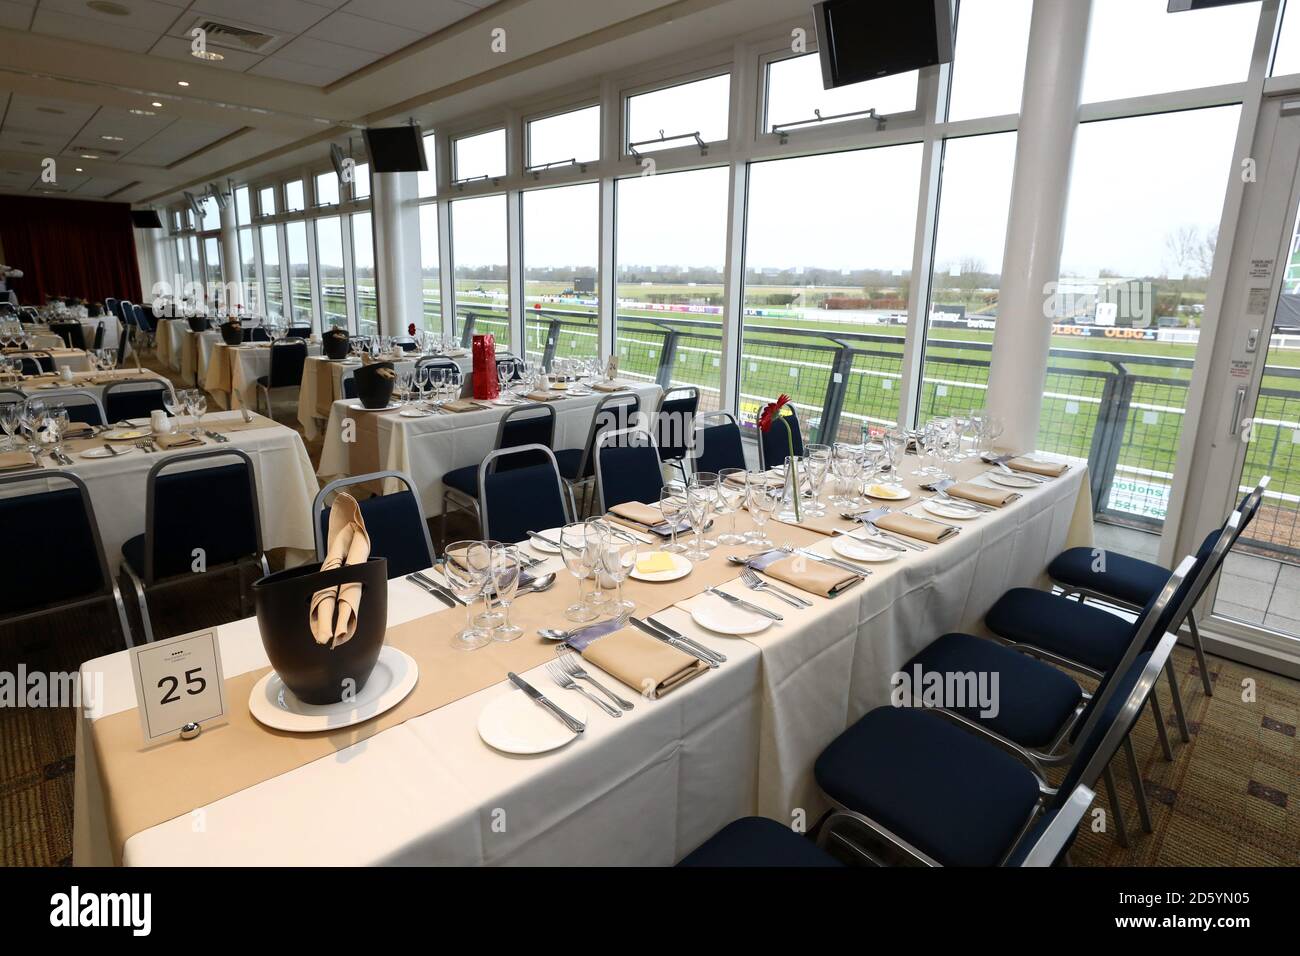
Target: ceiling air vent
<point>233,37</point>
<point>100,150</point>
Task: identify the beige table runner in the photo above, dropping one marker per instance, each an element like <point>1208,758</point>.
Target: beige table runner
<point>145,786</point>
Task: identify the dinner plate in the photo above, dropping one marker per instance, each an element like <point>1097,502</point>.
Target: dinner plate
<point>103,452</point>
<point>126,434</point>
<point>546,548</point>
<point>1012,481</point>
<point>358,407</point>
<point>414,413</point>
<point>856,549</point>
<point>393,678</point>
<point>681,568</point>
<point>944,510</point>
<point>713,614</point>
<point>516,724</point>
<point>887,492</point>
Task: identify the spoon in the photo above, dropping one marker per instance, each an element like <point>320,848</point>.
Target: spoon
<point>542,583</point>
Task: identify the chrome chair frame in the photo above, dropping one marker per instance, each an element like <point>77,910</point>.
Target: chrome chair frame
<point>264,391</point>
<point>605,439</point>
<point>703,422</point>
<point>488,466</point>
<point>687,439</point>
<point>74,396</point>
<point>594,431</point>
<point>338,484</point>
<point>134,385</point>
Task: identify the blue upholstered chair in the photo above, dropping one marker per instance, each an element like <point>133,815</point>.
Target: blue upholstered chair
<point>212,509</point>
<point>11,396</point>
<point>773,446</point>
<point>395,523</point>
<point>288,359</point>
<point>758,841</point>
<point>133,399</point>
<point>98,342</point>
<point>513,501</point>
<point>675,425</point>
<point>111,308</point>
<point>349,387</point>
<point>1130,582</point>
<point>529,424</point>
<point>717,443</point>
<point>627,468</point>
<point>617,410</point>
<point>81,404</point>
<point>911,784</point>
<point>72,574</point>
<point>37,363</point>
<point>73,335</point>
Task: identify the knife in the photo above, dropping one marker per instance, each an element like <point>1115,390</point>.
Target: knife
<point>431,583</point>
<point>216,436</point>
<point>689,641</point>
<point>671,642</point>
<point>430,591</point>
<point>754,608</point>
<point>835,563</point>
<point>541,537</point>
<point>575,725</point>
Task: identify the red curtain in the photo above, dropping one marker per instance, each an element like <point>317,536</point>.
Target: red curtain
<point>69,247</point>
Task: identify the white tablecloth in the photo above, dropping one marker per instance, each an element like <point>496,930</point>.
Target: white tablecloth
<point>169,339</point>
<point>428,448</point>
<point>52,394</point>
<point>247,364</point>
<point>646,788</point>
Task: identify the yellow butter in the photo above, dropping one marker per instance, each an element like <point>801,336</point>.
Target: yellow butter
<point>655,562</point>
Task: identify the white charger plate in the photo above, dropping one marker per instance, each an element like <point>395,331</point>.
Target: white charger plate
<point>126,434</point>
<point>102,452</point>
<point>855,549</point>
<point>1012,481</point>
<point>713,614</point>
<point>887,492</point>
<point>356,406</point>
<point>516,724</point>
<point>539,545</point>
<point>414,413</point>
<point>944,510</point>
<point>681,568</point>
<point>393,678</point>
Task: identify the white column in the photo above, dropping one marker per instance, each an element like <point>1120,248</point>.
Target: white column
<point>230,266</point>
<point>397,251</point>
<point>1058,37</point>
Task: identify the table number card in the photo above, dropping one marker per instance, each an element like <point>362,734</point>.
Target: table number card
<point>178,682</point>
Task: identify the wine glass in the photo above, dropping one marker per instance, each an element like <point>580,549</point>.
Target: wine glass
<point>618,558</point>
<point>578,560</point>
<point>57,423</point>
<point>709,481</point>
<point>847,467</point>
<point>731,498</point>
<point>699,506</point>
<point>598,535</point>
<point>762,500</point>
<point>11,417</point>
<point>196,403</point>
<point>32,416</point>
<point>504,373</point>
<point>671,503</point>
<point>993,428</point>
<point>816,464</point>
<point>467,577</point>
<point>506,568</point>
<point>174,404</point>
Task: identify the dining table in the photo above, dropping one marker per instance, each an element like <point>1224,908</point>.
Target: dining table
<point>51,388</point>
<point>419,785</point>
<point>75,359</point>
<point>232,371</point>
<point>426,445</point>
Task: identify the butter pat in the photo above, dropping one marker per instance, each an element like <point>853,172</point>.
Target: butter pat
<point>655,562</point>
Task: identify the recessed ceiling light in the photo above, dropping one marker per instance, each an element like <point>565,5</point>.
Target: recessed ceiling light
<point>78,169</point>
<point>108,7</point>
<point>143,112</point>
<point>156,104</point>
<point>89,156</point>
<point>111,139</point>
<point>207,54</point>
<point>182,82</point>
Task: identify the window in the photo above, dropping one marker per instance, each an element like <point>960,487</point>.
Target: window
<point>670,249</point>
<point>830,296</point>
<point>989,63</point>
<point>1135,267</point>
<point>300,293</point>
<point>330,274</point>
<point>1136,48</point>
<point>1286,59</point>
<point>248,269</point>
<point>266,200</point>
<point>196,264</point>
<point>363,275</point>
<point>561,228</point>
<point>211,214</point>
<point>794,91</point>
<point>177,224</point>
<point>327,189</point>
<point>428,181</point>
<point>293,197</point>
<point>183,266</point>
<point>478,240</point>
<point>271,273</point>
<point>361,181</point>
<point>573,135</point>
<point>242,214</point>
<point>481,155</point>
<point>212,268</point>
<point>974,200</point>
<point>430,274</point>
<point>675,113</point>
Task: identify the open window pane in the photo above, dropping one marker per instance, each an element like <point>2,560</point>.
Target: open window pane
<point>989,64</point>
<point>327,189</point>
<point>794,93</point>
<point>212,266</point>
<point>1137,48</point>
<point>478,237</point>
<point>295,237</point>
<point>271,274</point>
<point>266,201</point>
<point>211,215</point>
<point>677,112</point>
<point>248,270</point>
<point>293,199</point>
<point>242,213</point>
<point>561,255</point>
<point>1286,59</point>
<point>556,139</point>
<point>428,181</point>
<point>829,298</point>
<point>670,296</point>
<point>363,275</point>
<point>430,268</point>
<point>481,155</point>
<point>361,181</point>
<point>329,269</point>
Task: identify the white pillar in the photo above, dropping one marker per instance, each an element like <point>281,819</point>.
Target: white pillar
<point>397,251</point>
<point>230,264</point>
<point>1058,37</point>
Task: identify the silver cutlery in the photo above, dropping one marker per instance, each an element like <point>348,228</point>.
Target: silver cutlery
<point>754,608</point>
<point>541,537</point>
<point>835,563</point>
<point>561,677</point>
<point>700,654</point>
<point>570,662</point>
<point>429,582</point>
<point>961,504</point>
<point>877,540</point>
<point>543,582</point>
<point>573,724</point>
<point>444,598</point>
<point>1027,475</point>
<point>755,583</point>
<point>553,634</point>
<point>875,532</point>
<point>689,642</point>
<point>216,436</point>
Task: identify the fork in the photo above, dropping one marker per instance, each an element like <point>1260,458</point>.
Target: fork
<point>833,562</point>
<point>562,678</point>
<point>755,583</point>
<point>1030,476</point>
<point>569,661</point>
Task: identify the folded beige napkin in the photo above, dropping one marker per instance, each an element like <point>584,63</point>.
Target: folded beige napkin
<point>639,513</point>
<point>78,430</point>
<point>650,667</point>
<point>178,440</point>
<point>1052,469</point>
<point>461,405</point>
<point>334,610</point>
<point>993,497</point>
<point>609,386</point>
<point>461,557</point>
<point>815,577</point>
<point>544,396</point>
<point>922,528</point>
<point>17,461</point>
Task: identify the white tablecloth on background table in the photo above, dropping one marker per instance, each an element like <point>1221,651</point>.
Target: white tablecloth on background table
<point>169,341</point>
<point>53,393</point>
<point>646,788</point>
<point>427,448</point>
<point>247,364</point>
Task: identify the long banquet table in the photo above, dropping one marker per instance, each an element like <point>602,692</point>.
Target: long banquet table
<point>645,788</point>
<point>232,371</point>
<point>429,447</point>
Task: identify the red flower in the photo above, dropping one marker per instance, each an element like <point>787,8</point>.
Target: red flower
<point>772,412</point>
<point>410,329</point>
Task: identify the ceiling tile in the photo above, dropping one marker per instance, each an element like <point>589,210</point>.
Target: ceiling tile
<point>133,129</point>
<point>175,48</point>
<point>315,52</point>
<point>279,69</point>
<point>15,16</point>
<point>283,16</point>
<point>180,139</point>
<point>147,15</point>
<point>426,16</point>
<point>56,23</point>
<point>40,114</point>
<point>354,31</point>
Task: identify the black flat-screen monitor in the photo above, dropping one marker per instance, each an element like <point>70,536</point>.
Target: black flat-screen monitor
<point>145,219</point>
<point>1178,6</point>
<point>396,149</point>
<point>861,40</point>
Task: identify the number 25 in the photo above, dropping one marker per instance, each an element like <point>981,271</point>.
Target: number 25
<point>191,679</point>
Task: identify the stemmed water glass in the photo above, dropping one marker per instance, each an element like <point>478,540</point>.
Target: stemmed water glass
<point>505,371</point>
<point>816,464</point>
<point>467,579</point>
<point>196,403</point>
<point>708,481</point>
<point>847,468</point>
<point>174,403</point>
<point>506,567</point>
<point>578,560</point>
<point>617,558</point>
<point>32,415</point>
<point>598,536</point>
<point>11,417</point>
<point>762,500</point>
<point>672,500</point>
<point>700,499</point>
<point>731,498</point>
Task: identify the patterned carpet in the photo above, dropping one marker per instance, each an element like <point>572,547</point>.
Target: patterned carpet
<point>1230,797</point>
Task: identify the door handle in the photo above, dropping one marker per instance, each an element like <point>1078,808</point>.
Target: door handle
<point>1238,402</point>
